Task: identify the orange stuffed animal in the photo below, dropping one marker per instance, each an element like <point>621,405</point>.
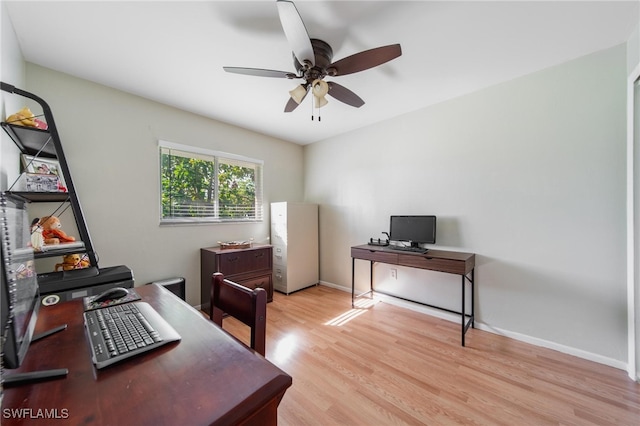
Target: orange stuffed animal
<point>73,261</point>
<point>52,233</point>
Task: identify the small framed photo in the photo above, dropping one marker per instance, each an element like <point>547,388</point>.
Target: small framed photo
<point>42,166</point>
<point>37,182</point>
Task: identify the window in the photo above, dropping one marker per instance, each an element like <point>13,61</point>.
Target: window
<point>199,185</point>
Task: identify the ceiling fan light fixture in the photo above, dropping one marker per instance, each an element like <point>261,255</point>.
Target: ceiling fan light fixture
<point>320,88</point>
<point>298,93</point>
<point>320,101</point>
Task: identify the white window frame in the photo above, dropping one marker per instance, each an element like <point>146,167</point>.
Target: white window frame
<point>216,157</point>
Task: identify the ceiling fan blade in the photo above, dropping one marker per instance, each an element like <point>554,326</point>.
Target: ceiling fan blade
<point>296,32</point>
<point>291,105</point>
<point>367,59</point>
<point>261,72</point>
<point>345,95</point>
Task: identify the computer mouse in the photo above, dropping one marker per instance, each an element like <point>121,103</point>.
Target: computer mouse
<point>111,294</point>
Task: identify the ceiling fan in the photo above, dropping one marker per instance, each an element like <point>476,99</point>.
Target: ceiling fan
<point>312,60</point>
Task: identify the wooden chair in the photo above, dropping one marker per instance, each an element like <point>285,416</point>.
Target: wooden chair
<point>242,303</point>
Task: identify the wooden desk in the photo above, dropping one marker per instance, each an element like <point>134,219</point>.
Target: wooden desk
<point>206,378</point>
<point>450,262</point>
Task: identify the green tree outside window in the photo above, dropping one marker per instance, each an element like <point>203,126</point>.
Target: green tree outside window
<point>200,187</point>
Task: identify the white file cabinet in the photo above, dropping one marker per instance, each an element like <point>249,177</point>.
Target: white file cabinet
<point>294,236</point>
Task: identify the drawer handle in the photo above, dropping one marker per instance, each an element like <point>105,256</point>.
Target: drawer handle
<point>259,254</point>
<point>233,259</point>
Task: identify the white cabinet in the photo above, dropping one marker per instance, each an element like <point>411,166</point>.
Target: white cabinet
<point>294,236</point>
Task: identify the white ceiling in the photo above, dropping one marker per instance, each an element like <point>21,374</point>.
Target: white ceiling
<point>173,51</point>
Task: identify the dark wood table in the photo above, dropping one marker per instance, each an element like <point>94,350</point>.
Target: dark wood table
<point>207,378</point>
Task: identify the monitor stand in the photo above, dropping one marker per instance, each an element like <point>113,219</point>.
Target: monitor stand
<point>19,379</point>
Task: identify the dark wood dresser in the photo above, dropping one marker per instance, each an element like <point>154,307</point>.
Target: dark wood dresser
<point>251,267</point>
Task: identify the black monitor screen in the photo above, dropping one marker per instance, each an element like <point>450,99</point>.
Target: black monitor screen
<point>19,290</point>
<point>416,229</point>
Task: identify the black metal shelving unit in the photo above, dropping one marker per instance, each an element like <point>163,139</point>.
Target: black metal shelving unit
<point>46,144</point>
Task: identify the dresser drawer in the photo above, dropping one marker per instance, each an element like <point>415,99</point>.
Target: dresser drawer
<point>432,263</point>
<point>263,281</point>
<point>375,255</point>
<point>244,261</point>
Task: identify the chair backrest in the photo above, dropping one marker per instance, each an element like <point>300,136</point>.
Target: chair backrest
<point>242,303</point>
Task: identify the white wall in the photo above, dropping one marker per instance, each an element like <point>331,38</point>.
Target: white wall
<point>633,203</point>
<point>11,69</point>
<point>528,174</point>
<point>110,139</point>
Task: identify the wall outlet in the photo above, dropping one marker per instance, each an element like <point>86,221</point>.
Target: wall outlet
<point>394,274</point>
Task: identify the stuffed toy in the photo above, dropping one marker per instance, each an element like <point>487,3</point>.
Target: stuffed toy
<point>72,261</point>
<point>25,117</point>
<point>37,240</point>
<point>52,233</point>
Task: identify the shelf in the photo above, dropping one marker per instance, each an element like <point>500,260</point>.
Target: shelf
<point>21,254</point>
<point>61,249</point>
<point>50,251</point>
<point>31,140</point>
<point>39,196</point>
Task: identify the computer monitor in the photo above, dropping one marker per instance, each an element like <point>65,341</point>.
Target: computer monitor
<point>414,229</point>
<point>19,294</point>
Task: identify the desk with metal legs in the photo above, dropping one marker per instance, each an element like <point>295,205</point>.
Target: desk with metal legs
<point>450,262</point>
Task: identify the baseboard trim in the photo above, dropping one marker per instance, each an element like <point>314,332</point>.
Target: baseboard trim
<point>590,356</point>
<point>569,350</point>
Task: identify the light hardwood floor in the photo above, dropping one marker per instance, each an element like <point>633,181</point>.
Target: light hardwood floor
<point>380,364</point>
